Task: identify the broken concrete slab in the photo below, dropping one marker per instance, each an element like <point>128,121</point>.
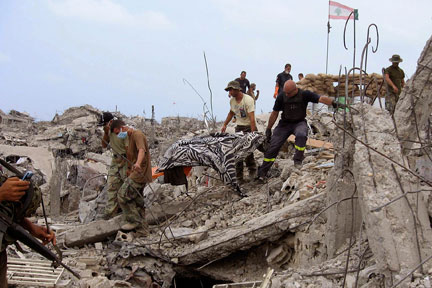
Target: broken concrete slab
<point>42,158</point>
<point>399,238</point>
<point>415,102</point>
<point>93,232</point>
<point>252,232</point>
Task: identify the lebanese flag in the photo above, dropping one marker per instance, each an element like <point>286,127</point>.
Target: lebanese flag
<point>339,11</point>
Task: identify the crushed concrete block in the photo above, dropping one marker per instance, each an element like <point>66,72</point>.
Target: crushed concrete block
<point>99,246</point>
<point>251,233</point>
<point>93,232</point>
<point>124,237</point>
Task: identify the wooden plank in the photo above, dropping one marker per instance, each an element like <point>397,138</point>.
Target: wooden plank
<point>314,143</point>
<point>33,279</point>
<point>28,272</point>
<point>32,273</point>
<point>28,261</point>
<point>26,283</point>
<point>31,268</point>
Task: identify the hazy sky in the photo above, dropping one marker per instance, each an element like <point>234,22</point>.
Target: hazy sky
<point>55,54</point>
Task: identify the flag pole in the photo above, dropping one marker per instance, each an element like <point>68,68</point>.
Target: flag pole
<point>328,34</point>
<point>354,56</point>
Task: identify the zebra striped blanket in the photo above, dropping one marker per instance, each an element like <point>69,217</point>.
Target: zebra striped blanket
<point>219,151</point>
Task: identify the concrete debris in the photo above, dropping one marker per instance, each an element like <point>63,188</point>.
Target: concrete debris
<point>92,232</point>
<point>357,213</point>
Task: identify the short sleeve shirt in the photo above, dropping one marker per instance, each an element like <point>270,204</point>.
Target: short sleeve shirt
<point>118,145</point>
<point>137,141</point>
<point>243,84</point>
<point>308,96</point>
<point>282,78</point>
<point>242,109</point>
<point>396,75</point>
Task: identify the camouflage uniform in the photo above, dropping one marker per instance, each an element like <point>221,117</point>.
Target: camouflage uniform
<point>130,195</point>
<point>10,210</point>
<point>131,201</point>
<point>116,173</point>
<point>396,75</point>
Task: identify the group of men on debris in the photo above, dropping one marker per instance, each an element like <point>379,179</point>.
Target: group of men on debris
<point>130,168</point>
<point>293,102</point>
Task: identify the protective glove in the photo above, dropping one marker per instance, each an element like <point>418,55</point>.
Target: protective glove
<point>268,134</point>
<point>336,105</point>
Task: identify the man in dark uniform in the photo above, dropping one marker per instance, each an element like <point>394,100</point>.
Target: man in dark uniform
<point>394,77</point>
<point>244,83</point>
<point>281,79</point>
<point>293,103</point>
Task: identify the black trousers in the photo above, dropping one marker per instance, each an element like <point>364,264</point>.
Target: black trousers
<point>3,269</point>
<point>250,160</point>
<point>280,134</point>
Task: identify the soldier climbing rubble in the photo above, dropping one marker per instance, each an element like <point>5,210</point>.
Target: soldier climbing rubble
<point>138,175</point>
<point>293,102</point>
<point>117,169</point>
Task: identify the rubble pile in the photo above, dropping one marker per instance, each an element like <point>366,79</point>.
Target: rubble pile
<point>333,85</point>
<point>356,214</point>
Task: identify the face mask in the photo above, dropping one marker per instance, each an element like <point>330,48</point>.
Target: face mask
<point>122,135</point>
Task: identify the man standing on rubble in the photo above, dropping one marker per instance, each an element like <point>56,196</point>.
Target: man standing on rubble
<point>394,77</point>
<point>293,103</point>
<point>243,81</point>
<point>243,107</point>
<point>281,79</point>
<point>118,167</point>
<point>11,191</point>
<point>130,195</point>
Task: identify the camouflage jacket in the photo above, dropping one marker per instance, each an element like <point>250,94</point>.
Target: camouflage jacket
<point>12,209</point>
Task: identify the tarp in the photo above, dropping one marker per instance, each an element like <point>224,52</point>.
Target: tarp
<point>219,151</point>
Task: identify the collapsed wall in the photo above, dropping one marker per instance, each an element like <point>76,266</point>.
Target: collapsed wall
<point>413,110</point>
<point>393,207</point>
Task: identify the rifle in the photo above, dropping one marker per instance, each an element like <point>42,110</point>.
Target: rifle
<point>16,231</point>
<point>7,226</point>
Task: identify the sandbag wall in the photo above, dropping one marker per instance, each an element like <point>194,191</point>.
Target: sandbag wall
<point>327,84</point>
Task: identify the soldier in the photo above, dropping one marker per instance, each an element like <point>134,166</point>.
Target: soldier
<point>394,77</point>
<point>139,173</point>
<point>118,167</point>
<point>11,191</point>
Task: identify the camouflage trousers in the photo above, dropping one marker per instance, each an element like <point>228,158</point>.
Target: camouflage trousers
<point>390,101</point>
<point>131,201</point>
<point>116,176</point>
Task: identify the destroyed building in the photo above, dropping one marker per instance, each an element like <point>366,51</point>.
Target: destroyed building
<point>357,214</point>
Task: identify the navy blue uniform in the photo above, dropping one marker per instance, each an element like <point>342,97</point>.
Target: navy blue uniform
<point>292,122</point>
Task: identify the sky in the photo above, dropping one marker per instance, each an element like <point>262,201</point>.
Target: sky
<point>129,55</point>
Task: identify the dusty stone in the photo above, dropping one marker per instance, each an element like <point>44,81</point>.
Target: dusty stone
<point>415,102</point>
<point>232,239</point>
<point>93,232</point>
<point>390,231</point>
<point>42,159</point>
